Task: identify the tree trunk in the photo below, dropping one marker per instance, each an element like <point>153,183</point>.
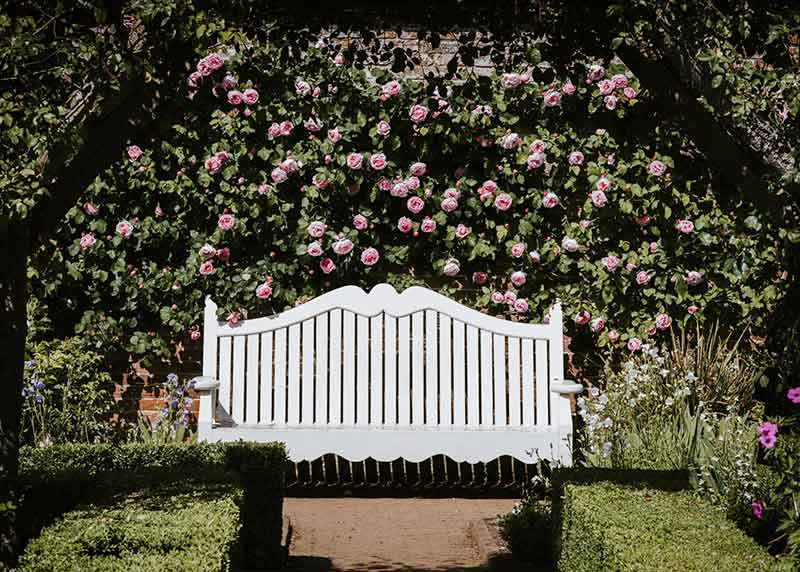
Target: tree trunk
<point>14,247</point>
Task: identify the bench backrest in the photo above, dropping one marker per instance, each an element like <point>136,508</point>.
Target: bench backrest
<point>383,359</point>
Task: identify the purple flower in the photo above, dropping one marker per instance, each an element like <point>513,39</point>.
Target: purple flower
<point>758,509</point>
<point>794,395</point>
<point>767,433</point>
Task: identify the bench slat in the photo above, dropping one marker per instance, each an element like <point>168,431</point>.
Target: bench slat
<point>349,369</point>
<point>362,372</point>
<point>431,367</point>
<point>238,380</point>
<point>280,376</point>
<point>459,374</point>
<point>266,378</point>
<point>307,374</point>
<point>487,392</point>
<point>514,397</point>
<point>542,386</point>
<point>321,376</point>
<point>417,369</point>
<point>404,371</point>
<point>445,370</point>
<point>251,395</point>
<point>473,384</point>
<point>376,371</point>
<point>224,376</point>
<point>500,380</point>
<point>293,394</point>
<point>335,370</point>
<point>390,371</point>
<point>528,384</point>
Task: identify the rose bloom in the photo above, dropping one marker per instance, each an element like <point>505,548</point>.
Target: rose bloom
<point>87,241</point>
<point>629,92</point>
<point>286,128</point>
<point>449,205</point>
<point>233,318</point>
<point>404,224</point>
<point>684,226</point>
<point>428,225</point>
<point>611,262</point>
<point>224,254</point>
<point>360,222</point>
<point>568,88</point>
<point>510,297</point>
<point>510,141</point>
<point>334,136</point>
<point>535,160</point>
<point>90,209</point>
<point>319,181</point>
<point>385,185</point>
<point>327,265</point>
<point>552,98</point>
<point>274,131</point>
<point>399,189</point>
<point>418,113</point>
<point>606,87</point>
<point>452,193</point>
<point>342,246</point>
<point>620,80</point>
<point>550,200</point>
<point>535,257</point>
<point>370,256</point>
<point>489,187</point>
<point>314,249</point>
<point>518,250</point>
<point>195,79</point>
<point>595,72</point>
<point>510,80</point>
<point>643,220</point>
<point>582,318</point>
<point>521,305</point>
<point>383,128</point>
<point>391,88</point>
<point>653,247</point>
<point>611,102</point>
<point>301,87</point>
<point>418,169</point>
<point>597,325</point>
<point>642,278</point>
<point>415,204</point>
<point>412,183</point>
<point>634,344</point>
<point>603,184</point>
<point>250,96</point>
<point>663,321</point>
<point>278,175</point>
<point>481,278</point>
<point>693,278</point>
<point>575,158</point>
<point>377,161</point>
<point>206,268</point>
<point>656,168</point>
<point>312,124</point>
<point>498,298</point>
<point>316,228</point>
<point>599,199</point>
<point>134,152</point>
<point>692,309</point>
<point>235,97</point>
<point>229,82</point>
<point>195,335</point>
<point>226,221</point>
<point>613,335</point>
<point>124,228</point>
<point>354,160</point>
<point>462,231</point>
<point>569,244</point>
<point>264,291</point>
<point>519,278</point>
<point>207,251</point>
<point>503,202</point>
<point>451,267</point>
<point>290,165</point>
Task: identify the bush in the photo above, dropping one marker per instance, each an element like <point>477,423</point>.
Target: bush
<point>169,529</point>
<point>57,478</point>
<point>607,526</point>
<point>528,531</point>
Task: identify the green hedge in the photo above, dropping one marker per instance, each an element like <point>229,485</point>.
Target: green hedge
<point>168,529</point>
<point>613,527</point>
<point>57,478</point>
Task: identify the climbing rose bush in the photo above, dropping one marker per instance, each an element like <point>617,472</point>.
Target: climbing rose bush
<point>279,181</point>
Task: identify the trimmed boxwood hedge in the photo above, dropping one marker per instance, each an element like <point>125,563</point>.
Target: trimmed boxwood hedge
<point>57,478</point>
<point>169,529</point>
<point>614,527</point>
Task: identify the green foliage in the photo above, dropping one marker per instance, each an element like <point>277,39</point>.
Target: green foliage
<point>528,530</point>
<point>172,423</point>
<point>68,394</point>
<point>607,526</point>
<point>165,529</point>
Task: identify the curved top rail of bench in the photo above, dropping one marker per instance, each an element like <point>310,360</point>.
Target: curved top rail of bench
<point>383,298</point>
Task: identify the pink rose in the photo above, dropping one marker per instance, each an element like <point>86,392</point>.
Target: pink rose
<point>226,221</point>
<point>582,318</point>
<point>134,152</point>
<point>301,87</point>
<point>278,175</point>
<point>428,225</point>
<point>250,96</point>
<point>312,124</point>
<point>489,187</point>
<point>550,200</point>
<point>575,158</point>
<point>599,199</point>
<point>519,278</point>
<point>370,256</point>
<point>334,136</point>
<point>90,209</point>
<point>653,247</point>
<point>415,204</point>
<point>235,97</point>
<point>319,181</point>
<point>391,88</point>
<point>224,254</point>
<point>264,291</point>
<point>510,80</point>
<point>634,344</point>
<point>656,168</point>
<point>316,228</point>
<point>631,266</point>
<point>611,102</point>
<point>643,220</point>
<point>343,246</point>
<point>479,278</point>
<point>274,131</point>
<point>449,205</point>
<point>412,183</point>
<point>360,222</point>
<point>597,325</point>
<point>314,249</point>
<point>404,224</point>
<point>603,184</point>
<point>535,257</point>
<point>451,267</point>
<point>629,92</point>
<point>124,229</point>
<point>286,128</point>
<point>521,305</point>
<point>354,160</point>
<point>385,185</point>
<point>377,161</point>
<point>537,146</point>
<point>383,128</point>
<point>535,160</point>
<point>452,193</point>
<point>510,297</point>
<point>595,72</point>
<point>642,278</point>
<point>206,268</point>
<point>692,309</point>
<point>214,61</point>
<point>498,298</point>
<point>605,86</point>
<point>194,80</point>
<point>418,169</point>
<point>517,250</point>
<point>620,80</point>
<point>327,265</point>
<point>552,98</point>
<point>213,164</point>
<point>684,226</point>
<point>611,263</point>
<point>399,189</point>
<point>462,231</point>
<point>693,278</point>
<point>229,82</point>
<point>510,141</point>
<point>418,113</point>
<point>207,251</point>
<point>663,321</point>
<point>613,335</point>
<point>87,241</point>
<point>290,165</point>
<point>195,335</point>
<point>233,318</point>
<point>569,244</point>
<point>339,61</point>
<point>503,202</point>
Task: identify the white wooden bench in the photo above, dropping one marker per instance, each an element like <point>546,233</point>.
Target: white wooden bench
<point>387,376</point>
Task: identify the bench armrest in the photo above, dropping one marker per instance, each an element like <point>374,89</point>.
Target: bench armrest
<point>205,383</point>
<point>565,387</point>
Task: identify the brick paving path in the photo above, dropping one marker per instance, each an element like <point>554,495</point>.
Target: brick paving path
<point>386,534</point>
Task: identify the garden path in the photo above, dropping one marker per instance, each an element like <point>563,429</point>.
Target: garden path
<point>386,534</point>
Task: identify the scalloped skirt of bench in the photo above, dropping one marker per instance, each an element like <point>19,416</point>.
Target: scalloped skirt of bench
<point>461,444</point>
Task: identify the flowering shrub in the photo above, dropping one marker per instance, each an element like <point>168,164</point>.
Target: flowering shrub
<point>172,423</point>
<point>278,182</point>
